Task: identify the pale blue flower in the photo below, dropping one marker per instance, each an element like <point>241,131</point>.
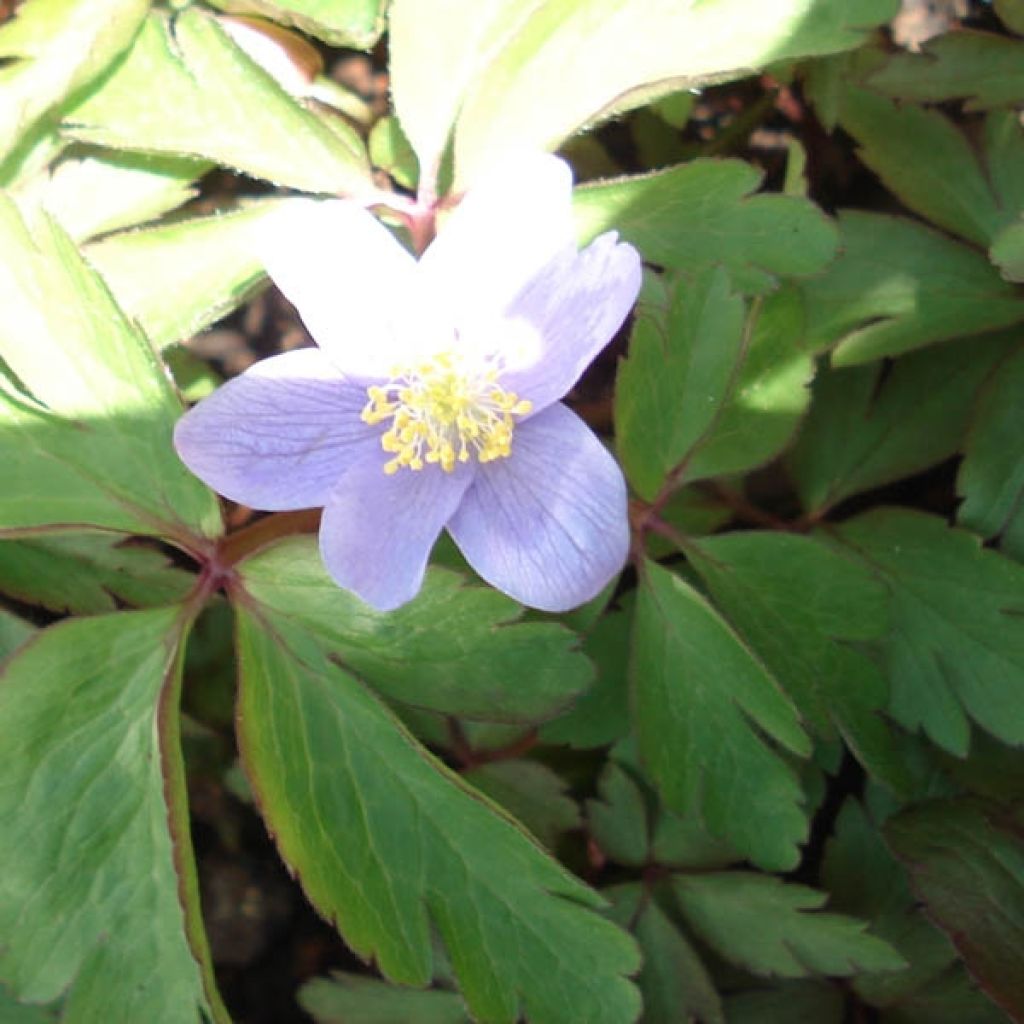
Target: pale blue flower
<point>432,400</point>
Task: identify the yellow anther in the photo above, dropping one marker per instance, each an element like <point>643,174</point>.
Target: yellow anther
<point>443,413</point>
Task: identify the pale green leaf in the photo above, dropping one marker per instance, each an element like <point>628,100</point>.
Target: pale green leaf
<point>705,213</point>
<point>985,69</point>
<point>187,89</point>
<point>777,929</point>
<point>176,279</point>
<point>88,573</point>
<point>675,985</point>
<point>926,161</point>
<point>124,189</point>
<point>870,425</point>
<point>991,478</point>
<point>53,48</point>
<point>704,708</point>
<point>13,633</point>
<point>456,649</point>
<point>86,422</point>
<point>359,999</point>
<point>93,874</point>
<point>802,606</point>
<point>897,286</point>
<point>401,847</point>
<point>681,363</point>
<point>532,793</point>
<point>607,57</point>
<point>967,865</point>
<point>390,151</point>
<point>353,23</point>
<point>957,642</point>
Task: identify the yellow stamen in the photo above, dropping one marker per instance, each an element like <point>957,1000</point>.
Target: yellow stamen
<point>443,413</point>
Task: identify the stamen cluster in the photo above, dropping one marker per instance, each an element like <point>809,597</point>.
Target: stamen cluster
<point>443,412</point>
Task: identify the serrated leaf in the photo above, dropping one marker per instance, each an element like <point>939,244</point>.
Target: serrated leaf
<point>803,607</point>
<point>957,642</point>
<point>897,286</point>
<point>777,929</point>
<point>600,715</point>
<point>353,23</point>
<point>532,793</point>
<point>674,983</point>
<point>53,48</point>
<point>124,189</point>
<point>870,425</point>
<point>681,363</point>
<point>705,213</point>
<point>95,846</point>
<point>86,421</point>
<point>88,573</point>
<point>991,477</point>
<point>176,279</point>
<point>345,998</point>
<point>985,69</point>
<point>185,88</point>
<point>14,632</point>
<point>402,847</point>
<point>455,649</point>
<point>702,702</point>
<point>926,161</point>
<point>618,820</point>
<point>608,57</point>
<point>967,864</point>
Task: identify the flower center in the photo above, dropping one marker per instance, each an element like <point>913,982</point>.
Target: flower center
<point>442,412</point>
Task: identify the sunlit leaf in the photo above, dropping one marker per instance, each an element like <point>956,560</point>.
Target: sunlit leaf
<point>401,847</point>
<point>354,23</point>
<point>96,850</point>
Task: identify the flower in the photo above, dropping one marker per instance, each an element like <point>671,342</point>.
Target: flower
<point>431,401</point>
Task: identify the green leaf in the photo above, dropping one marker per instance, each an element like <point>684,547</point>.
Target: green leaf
<point>176,279</point>
<point>352,23</point>
<point>681,363</point>
<point>455,649</point>
<point>13,633</point>
<point>124,189</point>
<point>402,847</point>
<point>705,708</point>
<point>619,821</point>
<point>390,151</point>
<point>704,213</point>
<point>1007,252</point>
<point>926,161</point>
<point>186,88</point>
<point>802,607</point>
<point>967,865</point>
<point>796,1002</point>
<point>609,57</point>
<point>674,983</point>
<point>897,286</point>
<point>95,847</point>
<point>13,1012</point>
<point>357,999</point>
<point>1012,14</point>
<point>88,573</point>
<point>53,48</point>
<point>532,793</point>
<point>600,715</point>
<point>957,642</point>
<point>777,929</point>
<point>991,478</point>
<point>985,69</point>
<point>86,420</point>
<point>870,425</point>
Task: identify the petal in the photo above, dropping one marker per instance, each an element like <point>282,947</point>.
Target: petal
<point>558,323</point>
<point>377,530</point>
<point>548,525</point>
<point>343,271</point>
<point>280,435</point>
<point>506,228</point>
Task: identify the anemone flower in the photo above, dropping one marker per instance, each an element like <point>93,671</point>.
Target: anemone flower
<point>432,398</point>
